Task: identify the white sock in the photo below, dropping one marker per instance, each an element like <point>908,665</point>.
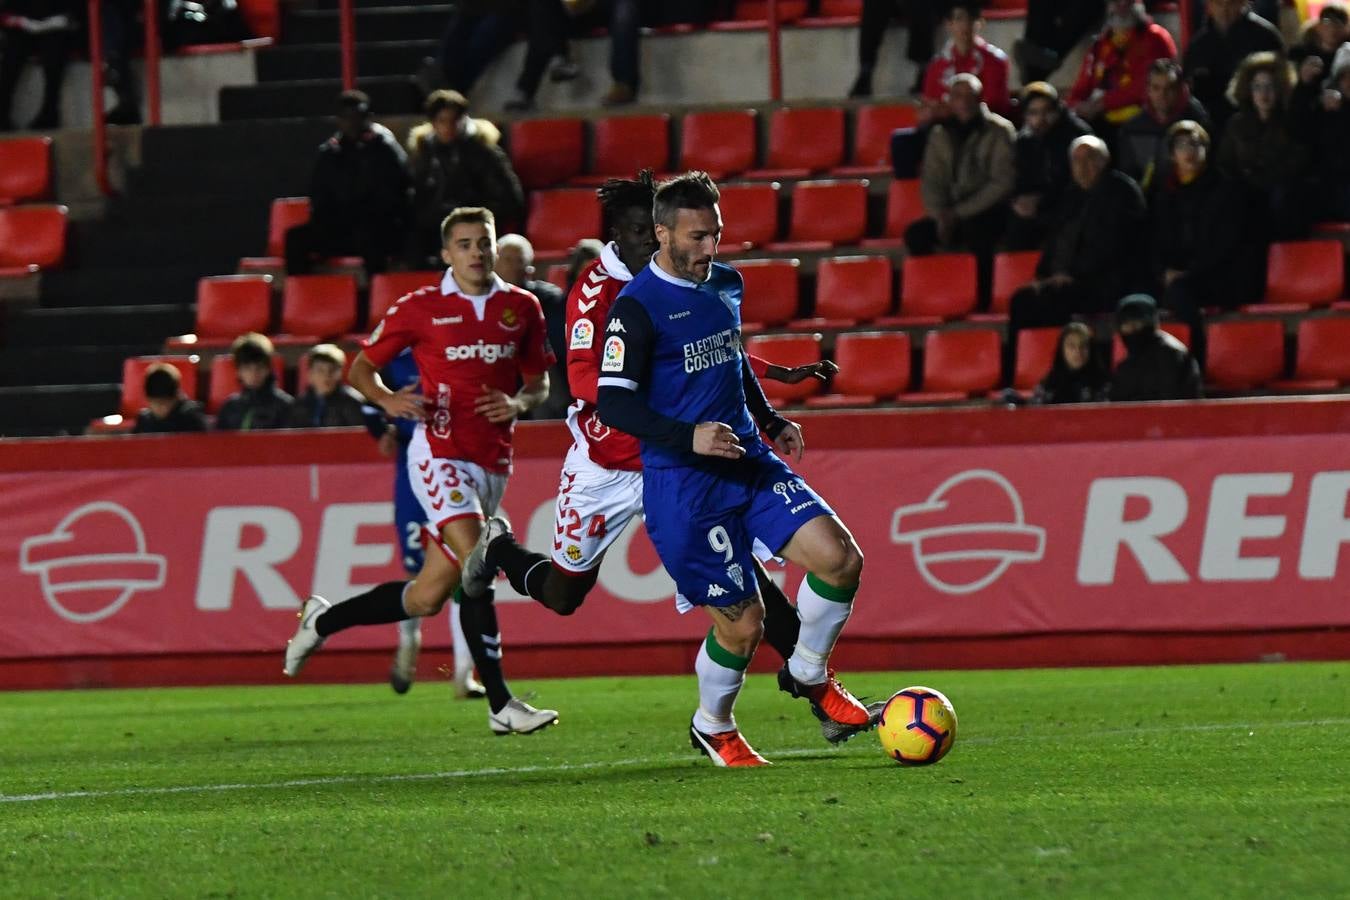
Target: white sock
<point>720,676</point>
<point>409,630</point>
<point>463,661</point>
<point>823,610</point>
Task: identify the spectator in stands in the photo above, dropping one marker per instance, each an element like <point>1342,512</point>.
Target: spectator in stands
<point>1113,79</point>
<point>454,160</point>
<point>46,28</point>
<point>1156,366</point>
<point>1092,253</point>
<point>259,403</point>
<point>1077,374</point>
<point>1143,151</point>
<point>1041,159</point>
<point>966,178</point>
<point>921,21</point>
<point>1331,128</point>
<point>1321,37</point>
<point>327,403</point>
<point>477,33</point>
<point>515,265</point>
<point>625,67</point>
<point>1231,34</point>
<point>964,51</point>
<point>1053,28</point>
<point>579,257</point>
<point>1205,252</point>
<point>546,29</point>
<point>358,193</point>
<point>1263,146</point>
<point>167,408</point>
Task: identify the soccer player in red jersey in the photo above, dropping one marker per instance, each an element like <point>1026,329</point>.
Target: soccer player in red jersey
<point>475,340</point>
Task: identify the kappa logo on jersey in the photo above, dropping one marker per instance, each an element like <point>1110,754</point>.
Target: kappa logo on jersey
<point>614,351</point>
<point>447,320</point>
<point>510,321</point>
<point>715,590</point>
<point>736,575</point>
<point>488,353</point>
<point>615,327</point>
<point>583,334</point>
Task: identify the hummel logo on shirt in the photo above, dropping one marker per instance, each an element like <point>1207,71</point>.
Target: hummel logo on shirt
<point>447,320</point>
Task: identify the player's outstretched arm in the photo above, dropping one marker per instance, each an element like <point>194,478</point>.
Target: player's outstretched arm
<point>402,404</point>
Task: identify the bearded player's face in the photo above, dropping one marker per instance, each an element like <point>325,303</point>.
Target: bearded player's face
<point>692,243</point>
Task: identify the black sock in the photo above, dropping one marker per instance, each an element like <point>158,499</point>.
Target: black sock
<point>781,623</point>
<point>478,616</point>
<point>377,606</point>
<point>520,566</point>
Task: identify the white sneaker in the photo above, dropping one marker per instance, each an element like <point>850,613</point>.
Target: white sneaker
<point>467,687</point>
<point>306,639</point>
<point>404,671</point>
<point>477,576</point>
<point>519,717</point>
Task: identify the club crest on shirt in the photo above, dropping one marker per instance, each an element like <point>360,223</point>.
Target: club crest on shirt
<point>510,321</point>
<point>614,350</point>
<point>573,553</point>
<point>583,334</point>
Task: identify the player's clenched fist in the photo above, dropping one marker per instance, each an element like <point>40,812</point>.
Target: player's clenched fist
<point>717,439</point>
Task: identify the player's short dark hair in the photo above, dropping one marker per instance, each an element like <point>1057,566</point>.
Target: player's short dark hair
<point>353,101</point>
<point>618,194</point>
<point>1166,66</point>
<point>692,190</point>
<point>251,348</point>
<point>973,9</point>
<point>480,214</point>
<point>442,100</point>
<point>162,381</point>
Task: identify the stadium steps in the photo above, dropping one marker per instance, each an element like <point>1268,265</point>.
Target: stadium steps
<point>309,61</point>
<point>287,99</point>
<point>55,408</point>
<point>85,326</point>
<point>28,367</point>
<point>373,23</point>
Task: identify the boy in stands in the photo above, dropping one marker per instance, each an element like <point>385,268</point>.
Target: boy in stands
<point>475,340</point>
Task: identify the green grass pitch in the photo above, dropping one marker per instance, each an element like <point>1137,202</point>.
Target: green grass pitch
<point>1219,781</point>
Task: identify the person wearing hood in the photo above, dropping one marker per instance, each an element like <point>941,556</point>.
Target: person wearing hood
<point>1077,374</point>
<point>1041,163</point>
<point>259,404</point>
<point>358,194</point>
<point>1111,83</point>
<point>1319,40</point>
<point>1143,151</point>
<point>455,161</point>
<point>1156,366</point>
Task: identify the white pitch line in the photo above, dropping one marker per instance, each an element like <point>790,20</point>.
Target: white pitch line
<point>634,761</point>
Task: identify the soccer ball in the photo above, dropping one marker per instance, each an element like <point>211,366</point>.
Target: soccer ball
<point>917,726</point>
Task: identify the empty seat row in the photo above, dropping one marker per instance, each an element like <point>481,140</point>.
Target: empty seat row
<point>25,170</point>
<point>725,143</point>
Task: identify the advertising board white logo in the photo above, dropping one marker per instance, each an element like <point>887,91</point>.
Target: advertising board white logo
<point>968,533</point>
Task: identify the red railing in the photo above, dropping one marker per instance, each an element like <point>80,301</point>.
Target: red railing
<point>775,54</point>
<point>347,29</point>
<point>152,54</point>
<point>96,83</point>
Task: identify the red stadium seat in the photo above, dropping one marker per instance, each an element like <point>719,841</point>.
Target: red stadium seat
<point>133,379</point>
<point>390,286</point>
<point>958,364</point>
<point>224,383</point>
<point>758,10</point>
<point>287,212</point>
<point>771,291</point>
<point>1036,348</point>
<point>230,305</point>
<point>749,216</point>
<point>1310,273</point>
<point>841,8</point>
<point>314,307</point>
<point>852,289</point>
<point>872,127</point>
<point>787,350</point>
<point>1243,356</point>
<point>904,206</point>
<point>720,143</point>
<point>25,170</point>
<point>802,142</point>
<point>1323,359</point>
<point>826,214</point>
<point>941,286</point>
<point>31,238</point>
<point>1179,330</point>
<point>1012,271</point>
<point>545,152</point>
<point>626,144</point>
<point>873,365</point>
<point>558,219</point>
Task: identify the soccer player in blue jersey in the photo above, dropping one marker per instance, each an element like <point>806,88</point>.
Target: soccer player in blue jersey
<point>673,374</point>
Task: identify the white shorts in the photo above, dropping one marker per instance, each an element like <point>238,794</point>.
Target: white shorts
<point>594,506</point>
<point>450,489</point>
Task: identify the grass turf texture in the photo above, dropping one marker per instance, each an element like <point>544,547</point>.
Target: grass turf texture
<point>1208,781</point>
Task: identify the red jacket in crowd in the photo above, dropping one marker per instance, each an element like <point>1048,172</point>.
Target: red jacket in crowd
<point>985,61</point>
<point>1119,69</point>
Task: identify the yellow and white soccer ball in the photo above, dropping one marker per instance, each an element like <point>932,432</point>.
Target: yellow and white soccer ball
<point>917,726</point>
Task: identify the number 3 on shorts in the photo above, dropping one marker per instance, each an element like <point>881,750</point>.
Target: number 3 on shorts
<point>720,541</point>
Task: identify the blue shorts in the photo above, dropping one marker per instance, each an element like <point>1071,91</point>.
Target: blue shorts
<point>408,517</point>
<point>703,523</point>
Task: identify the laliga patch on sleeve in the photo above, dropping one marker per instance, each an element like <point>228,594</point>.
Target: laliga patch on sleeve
<point>583,334</point>
<point>613,361</point>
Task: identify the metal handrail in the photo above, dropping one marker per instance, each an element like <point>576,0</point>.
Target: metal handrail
<point>347,29</point>
<point>775,54</point>
<point>152,58</point>
<point>96,83</point>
